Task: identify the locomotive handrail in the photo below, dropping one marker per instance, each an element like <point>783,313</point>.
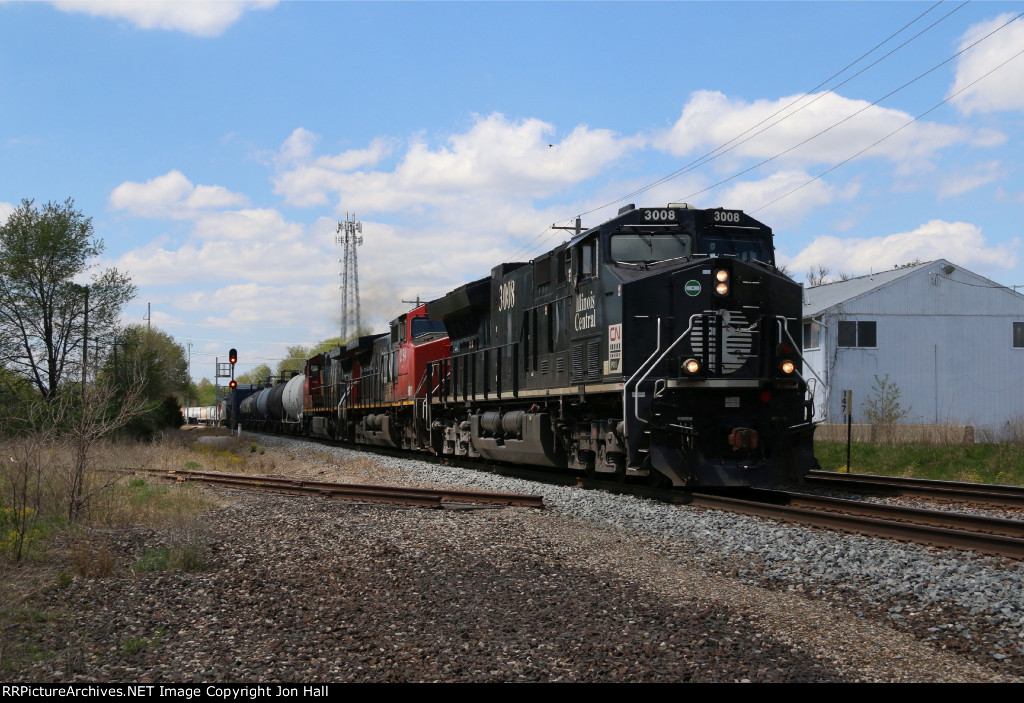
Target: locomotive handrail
<point>781,320</point>
<point>636,398</point>
<point>625,387</point>
<point>487,390</point>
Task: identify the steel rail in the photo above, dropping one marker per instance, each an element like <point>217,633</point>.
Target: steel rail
<point>1012,496</point>
<point>921,516</point>
<point>1000,545</point>
<point>428,497</point>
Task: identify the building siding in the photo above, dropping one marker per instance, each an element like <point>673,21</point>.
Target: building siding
<point>946,341</point>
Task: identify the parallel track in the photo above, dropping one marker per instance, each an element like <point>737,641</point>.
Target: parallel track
<point>997,536</point>
<point>421,497</point>
<point>1011,496</point>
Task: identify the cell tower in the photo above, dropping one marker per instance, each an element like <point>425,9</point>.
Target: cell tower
<point>349,236</point>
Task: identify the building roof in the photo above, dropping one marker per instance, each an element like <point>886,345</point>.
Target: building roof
<point>820,298</point>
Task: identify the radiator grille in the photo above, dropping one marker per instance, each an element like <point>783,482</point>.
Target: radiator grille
<point>738,340</point>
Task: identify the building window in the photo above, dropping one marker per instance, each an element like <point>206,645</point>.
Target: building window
<point>812,335</point>
<point>1018,335</point>
<point>858,334</point>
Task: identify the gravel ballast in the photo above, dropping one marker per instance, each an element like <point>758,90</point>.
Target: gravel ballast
<point>594,588</point>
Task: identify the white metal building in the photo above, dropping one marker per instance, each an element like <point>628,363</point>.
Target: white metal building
<point>953,342</point>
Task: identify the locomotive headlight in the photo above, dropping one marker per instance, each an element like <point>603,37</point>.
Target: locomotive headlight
<point>722,282</point>
<point>691,367</point>
<point>787,367</point>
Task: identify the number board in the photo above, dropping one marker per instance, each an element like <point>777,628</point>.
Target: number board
<point>658,215</point>
<point>726,217</point>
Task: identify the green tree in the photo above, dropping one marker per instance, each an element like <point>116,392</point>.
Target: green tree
<point>258,375</point>
<point>43,310</point>
<point>295,360</point>
<point>152,355</point>
<point>150,358</point>
<point>204,393</point>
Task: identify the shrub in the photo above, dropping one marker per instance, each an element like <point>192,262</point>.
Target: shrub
<point>882,406</point>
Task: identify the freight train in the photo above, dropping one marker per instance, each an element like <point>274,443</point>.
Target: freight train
<point>663,343</point>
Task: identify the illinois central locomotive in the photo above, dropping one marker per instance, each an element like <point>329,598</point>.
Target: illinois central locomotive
<point>662,343</point>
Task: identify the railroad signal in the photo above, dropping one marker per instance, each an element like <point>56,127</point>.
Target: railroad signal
<point>233,356</point>
<point>233,384</point>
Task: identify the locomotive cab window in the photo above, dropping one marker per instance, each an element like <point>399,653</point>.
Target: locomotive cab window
<point>1018,335</point>
<point>742,248</point>
<point>637,248</point>
<point>587,258</point>
<point>422,326</point>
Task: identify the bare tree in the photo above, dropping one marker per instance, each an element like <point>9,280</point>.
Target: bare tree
<point>817,275</point>
<point>82,420</point>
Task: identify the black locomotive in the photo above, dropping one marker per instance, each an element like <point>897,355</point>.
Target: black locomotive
<point>662,343</point>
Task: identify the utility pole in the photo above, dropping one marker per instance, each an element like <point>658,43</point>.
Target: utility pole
<point>349,236</point>
<point>85,344</point>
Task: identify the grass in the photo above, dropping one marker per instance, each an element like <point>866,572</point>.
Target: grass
<point>1001,463</point>
<point>53,553</point>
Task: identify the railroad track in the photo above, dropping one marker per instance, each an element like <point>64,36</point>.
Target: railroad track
<point>1010,496</point>
<point>940,528</point>
<point>420,497</point>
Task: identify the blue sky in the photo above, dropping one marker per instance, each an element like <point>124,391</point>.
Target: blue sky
<point>217,144</point>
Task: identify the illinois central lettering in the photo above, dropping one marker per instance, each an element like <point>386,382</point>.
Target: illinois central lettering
<point>586,315</point>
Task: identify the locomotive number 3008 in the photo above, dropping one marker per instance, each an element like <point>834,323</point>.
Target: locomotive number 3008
<point>507,295</point>
<point>659,215</point>
<point>726,216</point>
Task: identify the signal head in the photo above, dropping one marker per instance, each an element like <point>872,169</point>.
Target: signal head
<point>233,356</point>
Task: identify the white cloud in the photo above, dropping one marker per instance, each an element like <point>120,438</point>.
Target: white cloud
<point>248,245</point>
<point>172,196</point>
<point>495,156</point>
<point>1002,89</point>
<point>5,211</point>
<point>961,242</point>
<point>753,195</point>
<point>202,18</point>
<point>963,182</point>
<point>711,119</point>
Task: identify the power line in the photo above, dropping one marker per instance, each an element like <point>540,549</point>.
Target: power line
<point>722,150</point>
<point>851,116</point>
<point>725,147</point>
<point>900,129</point>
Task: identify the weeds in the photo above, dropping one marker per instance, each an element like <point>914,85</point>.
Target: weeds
<point>133,645</point>
<point>92,558</point>
<point>979,463</point>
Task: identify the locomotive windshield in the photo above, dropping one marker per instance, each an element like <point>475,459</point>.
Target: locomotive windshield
<point>661,246</point>
<point>743,248</point>
<point>422,326</point>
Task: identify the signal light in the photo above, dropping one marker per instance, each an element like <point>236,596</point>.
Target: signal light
<point>233,356</point>
<point>234,384</point>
